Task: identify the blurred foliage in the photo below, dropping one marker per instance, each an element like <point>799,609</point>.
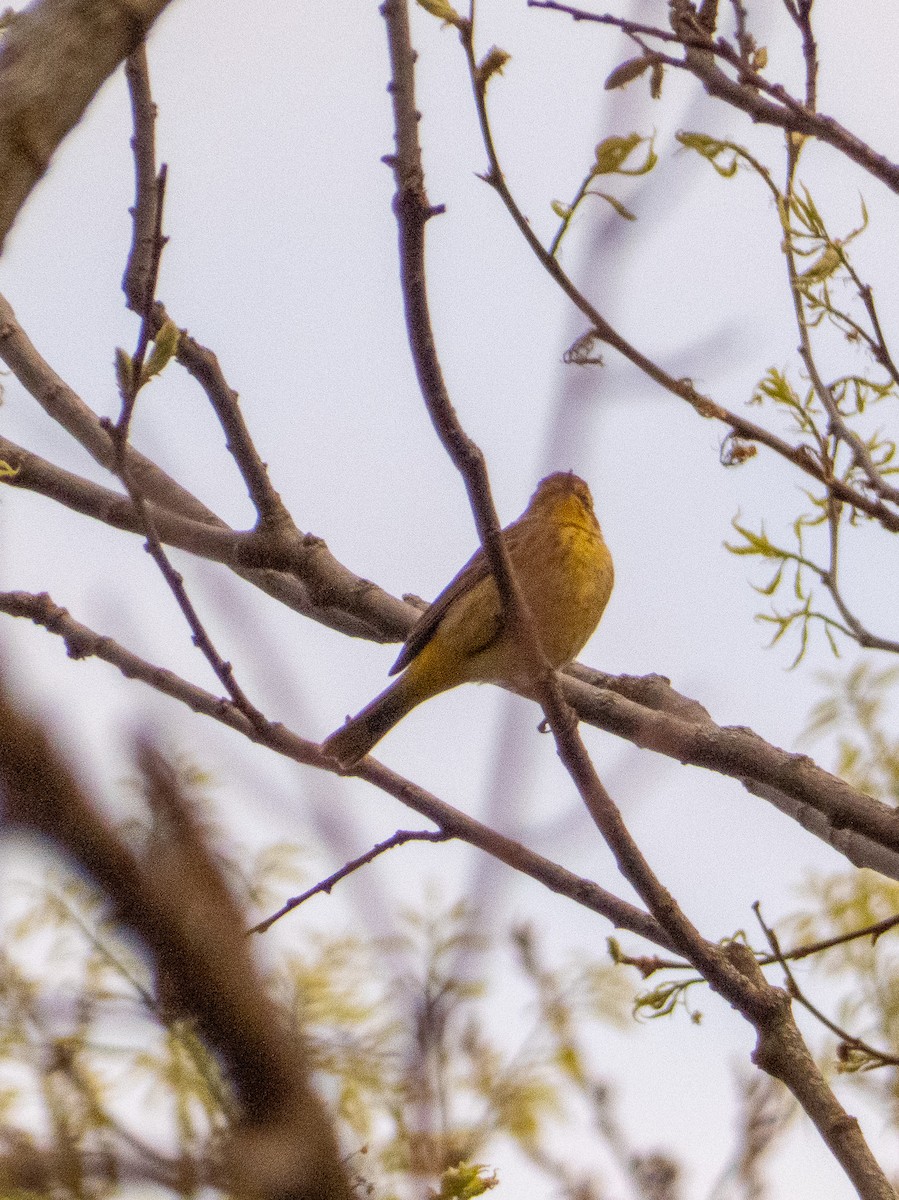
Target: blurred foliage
<point>857,715</point>
<point>427,1069</point>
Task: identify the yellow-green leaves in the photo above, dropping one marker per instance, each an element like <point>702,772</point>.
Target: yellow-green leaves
<point>464,1182</point>
<point>614,156</point>
<point>724,156</point>
<point>165,347</point>
<point>443,10</point>
<point>807,236</point>
<point>613,153</point>
<point>491,64</point>
<point>124,371</point>
<point>802,613</point>
<point>662,1000</point>
<point>7,470</point>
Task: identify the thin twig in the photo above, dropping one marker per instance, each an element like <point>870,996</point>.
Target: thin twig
<point>400,838</point>
<point>139,287</point>
<point>413,210</point>
<point>747,93</point>
<point>801,12</point>
<point>145,260</point>
<point>848,1040</point>
<point>800,456</point>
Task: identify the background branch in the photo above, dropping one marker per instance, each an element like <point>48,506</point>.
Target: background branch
<point>177,905</point>
<point>54,56</point>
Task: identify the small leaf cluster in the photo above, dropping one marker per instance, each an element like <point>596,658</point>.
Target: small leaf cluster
<point>612,156</point>
<point>165,347</point>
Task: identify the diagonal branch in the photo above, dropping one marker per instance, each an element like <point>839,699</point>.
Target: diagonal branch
<point>801,455</point>
<point>54,57</point>
<point>401,838</point>
<point>730,970</point>
<point>765,102</point>
<point>82,642</point>
<point>322,587</point>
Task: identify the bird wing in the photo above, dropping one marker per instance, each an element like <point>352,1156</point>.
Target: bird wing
<point>425,627</point>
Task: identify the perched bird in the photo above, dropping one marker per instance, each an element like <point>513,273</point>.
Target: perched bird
<point>564,571</point>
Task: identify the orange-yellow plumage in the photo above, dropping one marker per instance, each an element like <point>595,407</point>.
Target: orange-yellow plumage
<point>564,570</point>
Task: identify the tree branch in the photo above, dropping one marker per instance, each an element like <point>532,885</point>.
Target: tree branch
<point>54,56</point>
<point>82,642</point>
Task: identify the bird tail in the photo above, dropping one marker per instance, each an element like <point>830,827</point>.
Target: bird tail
<point>360,733</point>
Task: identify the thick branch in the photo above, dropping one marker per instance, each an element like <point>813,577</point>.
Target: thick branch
<point>317,586</point>
<point>852,822</point>
<point>648,713</point>
<point>53,59</point>
<point>82,642</point>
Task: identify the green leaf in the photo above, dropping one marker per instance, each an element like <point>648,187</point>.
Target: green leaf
<point>661,1001</point>
<point>124,371</point>
<point>628,71</point>
<point>443,10</point>
<point>613,153</point>
<point>756,543</point>
<point>616,204</point>
<point>464,1182</point>
<point>491,64</point>
<point>774,584</point>
<point>165,347</point>
<point>712,150</point>
<point>824,266</point>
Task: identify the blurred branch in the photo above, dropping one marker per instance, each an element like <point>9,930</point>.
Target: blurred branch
<point>763,1117</point>
<point>26,1171</point>
<point>176,904</point>
<point>54,56</point>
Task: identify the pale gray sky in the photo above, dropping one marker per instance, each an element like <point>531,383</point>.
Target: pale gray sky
<point>283,259</point>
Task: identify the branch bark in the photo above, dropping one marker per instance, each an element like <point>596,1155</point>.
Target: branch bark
<point>54,57</point>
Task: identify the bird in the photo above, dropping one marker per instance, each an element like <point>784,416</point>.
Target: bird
<point>565,575</point>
